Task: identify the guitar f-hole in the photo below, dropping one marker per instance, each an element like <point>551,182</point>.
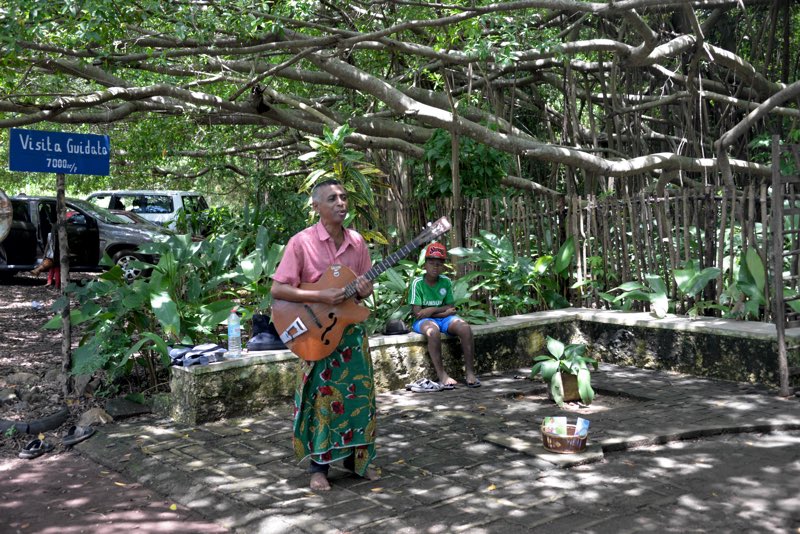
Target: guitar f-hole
<point>330,327</point>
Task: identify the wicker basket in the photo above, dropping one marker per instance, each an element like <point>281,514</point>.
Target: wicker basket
<point>568,444</point>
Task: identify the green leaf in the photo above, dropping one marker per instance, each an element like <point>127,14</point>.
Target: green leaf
<point>585,386</point>
<point>643,296</point>
<point>75,317</point>
<point>148,337</point>
<point>251,268</point>
<point>547,369</point>
<point>575,350</point>
<point>794,304</point>
<point>555,347</point>
<point>307,156</point>
<point>565,254</point>
<point>656,283</point>
<point>557,389</point>
<point>629,286</point>
<point>216,312</point>
<point>756,268</point>
<point>690,282</point>
<point>555,301</point>
<point>166,311</point>
<point>660,304</point>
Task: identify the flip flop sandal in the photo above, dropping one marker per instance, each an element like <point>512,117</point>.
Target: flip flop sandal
<point>475,384</point>
<point>77,434</point>
<point>447,386</point>
<point>194,358</point>
<point>34,449</point>
<point>415,383</point>
<point>426,386</point>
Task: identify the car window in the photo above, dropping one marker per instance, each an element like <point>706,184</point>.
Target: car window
<point>97,212</point>
<point>76,219</point>
<point>194,203</point>
<point>21,211</point>
<point>47,212</point>
<point>147,203</point>
<point>100,200</point>
<point>125,202</point>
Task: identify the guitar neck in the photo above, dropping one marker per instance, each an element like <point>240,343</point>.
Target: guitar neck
<point>378,268</point>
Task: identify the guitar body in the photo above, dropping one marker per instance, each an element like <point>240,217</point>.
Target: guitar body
<point>324,324</point>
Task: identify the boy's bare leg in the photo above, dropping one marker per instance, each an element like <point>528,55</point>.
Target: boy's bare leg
<point>431,331</point>
<point>464,333</point>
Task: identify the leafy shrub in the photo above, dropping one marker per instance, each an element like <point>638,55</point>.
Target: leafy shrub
<point>518,284</point>
<point>568,359</point>
<point>480,167</point>
<point>188,293</point>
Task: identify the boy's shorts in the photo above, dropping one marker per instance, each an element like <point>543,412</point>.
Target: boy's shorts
<point>442,322</point>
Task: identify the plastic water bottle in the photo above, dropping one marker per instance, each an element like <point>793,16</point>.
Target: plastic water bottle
<point>234,336</point>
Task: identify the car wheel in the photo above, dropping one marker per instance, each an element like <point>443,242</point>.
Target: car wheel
<point>125,259</point>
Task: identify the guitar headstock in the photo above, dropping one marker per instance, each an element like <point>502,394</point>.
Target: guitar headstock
<point>434,230</point>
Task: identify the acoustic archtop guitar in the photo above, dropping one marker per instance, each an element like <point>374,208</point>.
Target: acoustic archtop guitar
<point>313,330</point>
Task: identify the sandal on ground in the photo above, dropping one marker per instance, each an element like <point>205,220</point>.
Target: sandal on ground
<point>423,385</point>
<point>77,434</point>
<point>34,449</point>
<point>475,384</point>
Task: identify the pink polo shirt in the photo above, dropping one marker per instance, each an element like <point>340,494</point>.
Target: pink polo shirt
<point>309,253</point>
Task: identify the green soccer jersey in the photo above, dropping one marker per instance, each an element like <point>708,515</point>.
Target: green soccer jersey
<point>426,296</point>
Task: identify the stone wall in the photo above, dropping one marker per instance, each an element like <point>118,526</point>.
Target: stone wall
<point>732,350</point>
<point>203,393</point>
<point>742,351</point>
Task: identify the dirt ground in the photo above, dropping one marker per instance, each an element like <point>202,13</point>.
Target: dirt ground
<point>27,349</point>
<point>60,491</point>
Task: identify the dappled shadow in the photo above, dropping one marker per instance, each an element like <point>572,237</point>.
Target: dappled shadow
<point>58,494</point>
<point>439,474</point>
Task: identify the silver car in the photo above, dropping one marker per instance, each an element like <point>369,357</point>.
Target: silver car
<point>160,207</point>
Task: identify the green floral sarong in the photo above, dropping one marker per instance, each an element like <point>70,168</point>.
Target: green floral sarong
<point>334,405</point>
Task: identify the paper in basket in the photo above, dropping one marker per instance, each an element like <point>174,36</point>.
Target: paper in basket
<point>581,427</point>
<point>555,425</point>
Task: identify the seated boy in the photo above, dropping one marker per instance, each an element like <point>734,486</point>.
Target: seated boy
<point>431,297</point>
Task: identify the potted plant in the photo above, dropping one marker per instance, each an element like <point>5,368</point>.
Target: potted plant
<point>566,370</point>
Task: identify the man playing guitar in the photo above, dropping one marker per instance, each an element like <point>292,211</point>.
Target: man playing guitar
<point>334,417</point>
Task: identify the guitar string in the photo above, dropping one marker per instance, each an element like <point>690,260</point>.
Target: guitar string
<point>378,268</point>
<point>350,289</point>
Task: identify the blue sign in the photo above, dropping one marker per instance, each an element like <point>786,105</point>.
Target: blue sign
<point>58,152</point>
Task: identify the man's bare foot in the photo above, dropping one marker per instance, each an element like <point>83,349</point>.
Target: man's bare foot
<point>471,379</point>
<point>319,482</point>
<point>449,381</point>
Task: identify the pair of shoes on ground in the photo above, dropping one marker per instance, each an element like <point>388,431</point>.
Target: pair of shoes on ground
<point>39,446</point>
<point>423,385</point>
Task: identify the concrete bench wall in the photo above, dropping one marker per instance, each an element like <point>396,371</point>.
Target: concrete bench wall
<point>732,350</point>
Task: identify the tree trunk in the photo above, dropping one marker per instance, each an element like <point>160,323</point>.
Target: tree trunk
<point>63,247</point>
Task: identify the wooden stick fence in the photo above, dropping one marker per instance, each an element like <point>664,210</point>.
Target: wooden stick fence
<point>624,237</point>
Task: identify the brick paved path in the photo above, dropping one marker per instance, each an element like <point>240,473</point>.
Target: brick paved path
<point>470,460</point>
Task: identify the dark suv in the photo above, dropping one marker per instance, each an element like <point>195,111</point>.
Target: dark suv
<point>91,232</point>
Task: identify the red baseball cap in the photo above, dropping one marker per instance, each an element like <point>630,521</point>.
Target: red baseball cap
<point>436,250</point>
